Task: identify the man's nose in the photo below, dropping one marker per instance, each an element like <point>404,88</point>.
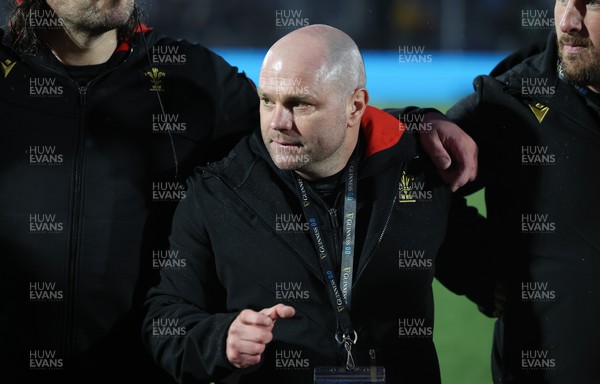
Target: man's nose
<point>282,119</point>
<point>572,19</point>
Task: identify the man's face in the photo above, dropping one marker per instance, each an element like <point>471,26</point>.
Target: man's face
<point>92,15</point>
<point>578,30</point>
<point>303,118</point>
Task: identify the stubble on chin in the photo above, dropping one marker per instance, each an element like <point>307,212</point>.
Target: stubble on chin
<point>109,18</point>
<point>583,68</point>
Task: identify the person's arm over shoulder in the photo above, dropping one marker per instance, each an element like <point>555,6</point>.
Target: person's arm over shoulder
<point>452,151</point>
<point>475,118</point>
<point>186,324</point>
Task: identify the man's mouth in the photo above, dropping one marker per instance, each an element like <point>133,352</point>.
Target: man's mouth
<point>284,143</point>
<point>573,46</point>
<point>572,49</point>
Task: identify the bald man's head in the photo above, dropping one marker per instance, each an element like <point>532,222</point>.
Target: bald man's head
<point>331,53</point>
<point>311,87</point>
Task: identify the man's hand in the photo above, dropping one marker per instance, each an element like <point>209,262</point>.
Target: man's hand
<point>251,331</point>
<point>452,151</point>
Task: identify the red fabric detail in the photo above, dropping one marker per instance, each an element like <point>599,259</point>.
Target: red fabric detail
<point>381,130</point>
<point>143,28</point>
<point>124,46</point>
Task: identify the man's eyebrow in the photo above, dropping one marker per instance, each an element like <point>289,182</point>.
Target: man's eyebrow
<point>288,98</point>
<point>300,98</point>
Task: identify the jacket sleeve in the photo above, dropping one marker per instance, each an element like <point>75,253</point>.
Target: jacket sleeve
<point>470,115</point>
<point>463,264</point>
<point>186,325</point>
<point>237,107</point>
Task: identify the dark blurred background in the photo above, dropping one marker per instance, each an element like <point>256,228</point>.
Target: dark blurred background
<point>448,25</point>
<point>452,25</point>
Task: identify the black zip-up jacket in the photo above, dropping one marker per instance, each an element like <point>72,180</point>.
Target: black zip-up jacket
<point>538,140</point>
<point>245,242</point>
<point>88,186</point>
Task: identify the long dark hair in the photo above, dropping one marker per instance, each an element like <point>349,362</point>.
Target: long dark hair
<point>28,40</point>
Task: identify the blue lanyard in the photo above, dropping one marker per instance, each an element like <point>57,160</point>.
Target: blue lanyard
<point>339,294</point>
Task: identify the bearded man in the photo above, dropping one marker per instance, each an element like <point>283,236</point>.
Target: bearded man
<point>102,120</point>
<point>536,120</point>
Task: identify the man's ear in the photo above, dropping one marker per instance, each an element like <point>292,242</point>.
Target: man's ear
<point>358,104</point>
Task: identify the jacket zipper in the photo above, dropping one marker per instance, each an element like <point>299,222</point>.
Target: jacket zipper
<point>75,217</point>
<point>336,241</point>
<point>383,231</point>
<point>333,220</point>
<point>76,214</point>
<point>387,221</point>
<point>335,224</point>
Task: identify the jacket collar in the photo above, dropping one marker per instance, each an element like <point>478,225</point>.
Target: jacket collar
<point>381,130</point>
<point>384,148</point>
<point>126,45</point>
<point>537,60</point>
